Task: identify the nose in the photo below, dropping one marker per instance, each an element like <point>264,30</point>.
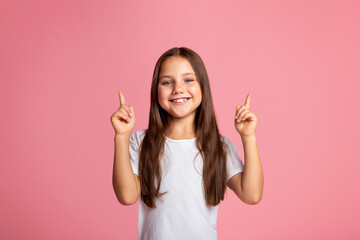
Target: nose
<point>178,87</point>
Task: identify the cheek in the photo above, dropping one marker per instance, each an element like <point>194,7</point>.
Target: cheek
<point>196,91</point>
<point>162,95</point>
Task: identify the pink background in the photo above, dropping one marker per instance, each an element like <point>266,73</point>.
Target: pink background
<point>62,63</point>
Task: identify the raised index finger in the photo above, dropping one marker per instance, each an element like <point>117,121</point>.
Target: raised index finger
<point>247,101</point>
<point>122,99</point>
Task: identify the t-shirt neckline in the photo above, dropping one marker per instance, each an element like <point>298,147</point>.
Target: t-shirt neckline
<point>181,140</point>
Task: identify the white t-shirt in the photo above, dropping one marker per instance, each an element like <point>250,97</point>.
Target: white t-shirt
<point>183,213</point>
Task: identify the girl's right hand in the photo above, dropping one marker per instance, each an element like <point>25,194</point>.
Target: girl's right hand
<point>123,120</point>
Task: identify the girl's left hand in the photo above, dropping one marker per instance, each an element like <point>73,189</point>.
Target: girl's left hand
<point>245,121</point>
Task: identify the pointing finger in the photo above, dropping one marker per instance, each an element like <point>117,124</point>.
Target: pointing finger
<point>247,101</point>
<point>122,98</point>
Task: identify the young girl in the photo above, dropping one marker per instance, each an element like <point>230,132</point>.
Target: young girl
<point>181,165</point>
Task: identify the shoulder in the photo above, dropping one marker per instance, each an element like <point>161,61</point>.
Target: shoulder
<point>226,140</point>
<point>140,133</point>
<point>138,136</point>
<point>230,146</point>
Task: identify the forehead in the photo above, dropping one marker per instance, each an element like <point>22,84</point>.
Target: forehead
<point>175,66</point>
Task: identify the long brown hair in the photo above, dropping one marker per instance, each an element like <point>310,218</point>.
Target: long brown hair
<point>208,139</point>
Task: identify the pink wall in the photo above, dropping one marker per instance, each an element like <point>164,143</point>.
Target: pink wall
<point>62,63</point>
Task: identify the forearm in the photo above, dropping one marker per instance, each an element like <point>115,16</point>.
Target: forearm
<point>124,183</point>
<point>252,179</point>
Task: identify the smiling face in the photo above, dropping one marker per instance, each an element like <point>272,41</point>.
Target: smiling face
<point>179,92</point>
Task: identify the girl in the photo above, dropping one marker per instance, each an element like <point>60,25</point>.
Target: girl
<point>180,166</point>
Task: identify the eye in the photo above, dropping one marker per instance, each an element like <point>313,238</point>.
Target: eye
<point>166,83</point>
<point>189,80</point>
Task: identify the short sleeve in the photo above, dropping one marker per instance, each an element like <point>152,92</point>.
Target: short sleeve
<point>233,160</point>
<point>134,147</point>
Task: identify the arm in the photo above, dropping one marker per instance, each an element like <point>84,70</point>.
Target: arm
<point>252,181</point>
<point>248,185</point>
<point>125,183</point>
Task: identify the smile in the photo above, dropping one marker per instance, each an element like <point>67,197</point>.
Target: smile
<point>180,100</point>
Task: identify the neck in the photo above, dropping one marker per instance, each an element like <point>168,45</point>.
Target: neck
<point>181,129</point>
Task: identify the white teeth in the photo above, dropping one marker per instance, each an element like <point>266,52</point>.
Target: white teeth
<point>180,100</point>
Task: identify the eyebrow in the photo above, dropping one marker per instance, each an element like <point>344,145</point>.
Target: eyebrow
<point>181,75</point>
